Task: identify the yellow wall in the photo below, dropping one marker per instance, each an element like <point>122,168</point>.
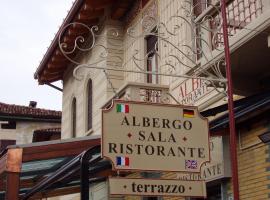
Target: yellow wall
<point>253,163</point>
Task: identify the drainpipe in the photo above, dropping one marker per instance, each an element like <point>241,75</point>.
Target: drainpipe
<point>233,147</point>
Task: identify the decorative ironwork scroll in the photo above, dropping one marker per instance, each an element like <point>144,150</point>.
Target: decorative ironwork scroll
<point>175,58</point>
<point>89,40</point>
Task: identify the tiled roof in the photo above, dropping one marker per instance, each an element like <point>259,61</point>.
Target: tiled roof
<point>26,111</point>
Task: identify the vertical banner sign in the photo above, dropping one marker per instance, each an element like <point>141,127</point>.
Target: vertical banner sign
<point>156,187</point>
<point>154,137</point>
<point>217,168</point>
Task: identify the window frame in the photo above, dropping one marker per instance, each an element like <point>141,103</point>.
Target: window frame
<point>73,117</point>
<point>10,125</point>
<point>89,105</point>
<point>151,57</point>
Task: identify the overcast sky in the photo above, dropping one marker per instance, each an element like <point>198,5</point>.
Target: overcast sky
<point>26,30</point>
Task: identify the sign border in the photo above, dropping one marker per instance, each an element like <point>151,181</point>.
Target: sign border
<point>160,180</point>
<point>114,101</point>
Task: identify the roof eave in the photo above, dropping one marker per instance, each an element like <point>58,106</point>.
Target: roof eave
<point>74,9</point>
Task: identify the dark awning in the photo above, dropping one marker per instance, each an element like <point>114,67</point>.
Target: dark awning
<point>42,135</point>
<point>244,109</point>
<point>47,169</point>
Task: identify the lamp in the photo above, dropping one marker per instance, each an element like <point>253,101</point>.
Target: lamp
<point>265,137</point>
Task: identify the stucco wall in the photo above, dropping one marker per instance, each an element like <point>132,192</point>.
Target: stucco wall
<point>102,89</point>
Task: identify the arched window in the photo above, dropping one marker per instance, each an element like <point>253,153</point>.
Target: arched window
<point>152,61</point>
<point>89,105</point>
<point>73,118</point>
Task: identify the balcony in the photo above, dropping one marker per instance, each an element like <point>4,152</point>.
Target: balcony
<point>249,38</point>
<point>147,92</point>
<point>240,13</point>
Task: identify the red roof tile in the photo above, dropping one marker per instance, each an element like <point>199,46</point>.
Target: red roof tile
<point>16,110</point>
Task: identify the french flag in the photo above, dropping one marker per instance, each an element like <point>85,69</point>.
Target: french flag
<point>122,161</point>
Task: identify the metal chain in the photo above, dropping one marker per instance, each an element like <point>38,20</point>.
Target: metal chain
<point>108,79</point>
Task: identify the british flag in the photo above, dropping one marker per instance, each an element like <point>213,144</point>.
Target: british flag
<point>191,164</point>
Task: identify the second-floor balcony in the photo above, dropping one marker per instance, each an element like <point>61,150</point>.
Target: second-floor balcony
<point>240,13</point>
<point>249,37</point>
<point>145,92</point>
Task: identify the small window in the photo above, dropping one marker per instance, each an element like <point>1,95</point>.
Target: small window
<point>9,125</point>
<point>73,123</point>
<point>89,105</point>
<point>152,61</point>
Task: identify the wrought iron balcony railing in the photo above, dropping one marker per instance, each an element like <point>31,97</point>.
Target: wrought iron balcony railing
<point>146,92</point>
<point>150,95</point>
<point>239,14</point>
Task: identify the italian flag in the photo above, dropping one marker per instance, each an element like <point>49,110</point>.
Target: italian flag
<point>124,108</point>
<point>122,161</point>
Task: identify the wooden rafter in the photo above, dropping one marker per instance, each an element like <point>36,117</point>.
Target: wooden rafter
<point>98,4</point>
<point>50,78</point>
<point>54,71</point>
<point>57,59</point>
<point>120,7</point>
<point>88,12</point>
<point>57,65</point>
<point>52,150</point>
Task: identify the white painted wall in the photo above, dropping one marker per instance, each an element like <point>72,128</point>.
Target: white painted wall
<point>101,87</point>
